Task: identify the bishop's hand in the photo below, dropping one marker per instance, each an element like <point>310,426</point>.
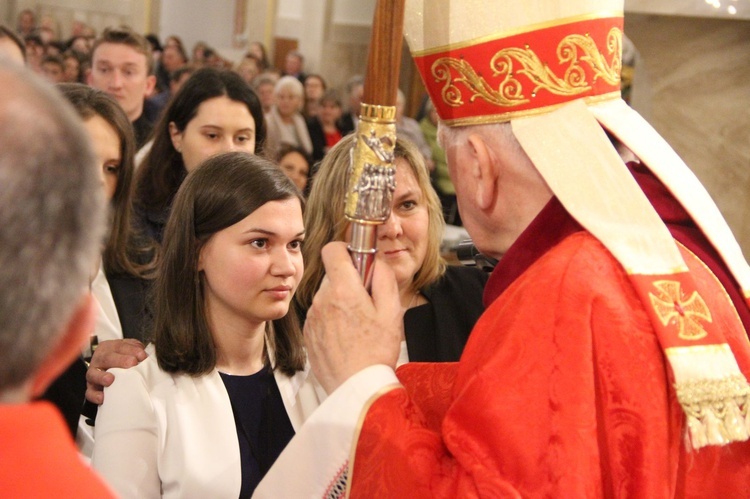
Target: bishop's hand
<point>348,330</point>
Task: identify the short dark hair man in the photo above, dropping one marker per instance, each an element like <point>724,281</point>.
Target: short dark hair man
<point>122,65</point>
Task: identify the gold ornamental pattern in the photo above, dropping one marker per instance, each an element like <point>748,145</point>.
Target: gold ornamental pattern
<point>371,174</point>
<point>579,52</point>
<point>670,307</point>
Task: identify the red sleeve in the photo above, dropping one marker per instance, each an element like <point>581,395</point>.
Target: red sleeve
<point>561,392</point>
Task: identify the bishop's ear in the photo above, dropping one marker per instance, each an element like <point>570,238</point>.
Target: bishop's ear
<point>482,171</point>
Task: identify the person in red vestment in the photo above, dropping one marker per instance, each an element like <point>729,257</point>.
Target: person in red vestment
<point>612,359</point>
<point>52,215</point>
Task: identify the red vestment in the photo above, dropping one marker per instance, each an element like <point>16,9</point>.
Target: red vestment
<point>40,459</point>
<point>563,391</point>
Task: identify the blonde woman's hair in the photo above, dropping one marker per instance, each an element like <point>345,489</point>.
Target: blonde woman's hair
<point>325,221</point>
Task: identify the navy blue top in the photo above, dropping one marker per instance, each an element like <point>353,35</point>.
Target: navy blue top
<point>263,426</point>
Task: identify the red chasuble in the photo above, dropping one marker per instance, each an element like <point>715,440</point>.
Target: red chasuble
<point>563,390</point>
<point>39,459</point>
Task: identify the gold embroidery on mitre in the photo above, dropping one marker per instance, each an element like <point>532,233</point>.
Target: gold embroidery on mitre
<point>573,49</point>
<point>670,306</point>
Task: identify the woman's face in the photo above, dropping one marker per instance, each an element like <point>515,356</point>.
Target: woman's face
<point>295,166</point>
<point>252,268</point>
<point>248,69</point>
<point>402,240</point>
<point>265,94</point>
<point>314,88</point>
<point>329,112</point>
<point>72,69</point>
<point>220,125</point>
<point>106,144</point>
<point>287,102</point>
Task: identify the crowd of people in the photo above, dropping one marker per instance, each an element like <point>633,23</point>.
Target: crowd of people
<point>175,278</point>
<point>309,116</point>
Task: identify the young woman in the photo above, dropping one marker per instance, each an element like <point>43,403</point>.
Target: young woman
<point>442,303</point>
<point>295,163</point>
<point>214,111</point>
<point>210,410</point>
<point>120,283</point>
<point>285,122</point>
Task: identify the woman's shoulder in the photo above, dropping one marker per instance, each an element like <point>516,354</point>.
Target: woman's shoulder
<point>147,373</point>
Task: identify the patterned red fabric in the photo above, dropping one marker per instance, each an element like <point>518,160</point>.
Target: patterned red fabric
<point>493,80</point>
<point>562,391</point>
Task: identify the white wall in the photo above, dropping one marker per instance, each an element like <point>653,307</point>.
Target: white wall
<point>211,21</point>
<point>350,12</point>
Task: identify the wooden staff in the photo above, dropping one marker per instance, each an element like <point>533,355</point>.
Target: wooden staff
<point>372,175</point>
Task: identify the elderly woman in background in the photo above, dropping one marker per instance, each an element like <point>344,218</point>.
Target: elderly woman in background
<point>285,122</point>
<point>441,302</point>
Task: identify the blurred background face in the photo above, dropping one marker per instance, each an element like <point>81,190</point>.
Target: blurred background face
<point>171,58</point>
<point>292,64</point>
<point>329,112</point>
<point>26,22</point>
<point>313,88</point>
<point>287,102</point>
<point>80,45</point>
<point>219,125</point>
<point>248,70</point>
<point>106,144</point>
<point>265,94</point>
<point>53,72</point>
<point>72,69</point>
<point>295,166</point>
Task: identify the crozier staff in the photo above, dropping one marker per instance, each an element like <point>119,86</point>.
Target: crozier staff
<point>372,181</point>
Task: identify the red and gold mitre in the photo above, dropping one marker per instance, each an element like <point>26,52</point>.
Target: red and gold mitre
<point>488,62</point>
<point>551,69</point>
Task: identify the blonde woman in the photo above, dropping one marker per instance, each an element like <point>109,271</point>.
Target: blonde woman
<point>442,302</point>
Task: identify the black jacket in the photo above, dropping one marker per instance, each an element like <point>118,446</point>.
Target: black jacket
<point>68,391</point>
<point>456,301</point>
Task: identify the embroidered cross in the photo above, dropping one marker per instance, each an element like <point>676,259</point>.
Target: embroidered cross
<point>671,308</point>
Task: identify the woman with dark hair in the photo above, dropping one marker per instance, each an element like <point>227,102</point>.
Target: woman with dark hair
<point>120,283</point>
<point>214,111</point>
<point>295,163</point>
<point>112,137</point>
<point>226,385</point>
<point>323,128</point>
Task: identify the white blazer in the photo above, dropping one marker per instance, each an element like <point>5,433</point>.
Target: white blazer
<point>171,435</point>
